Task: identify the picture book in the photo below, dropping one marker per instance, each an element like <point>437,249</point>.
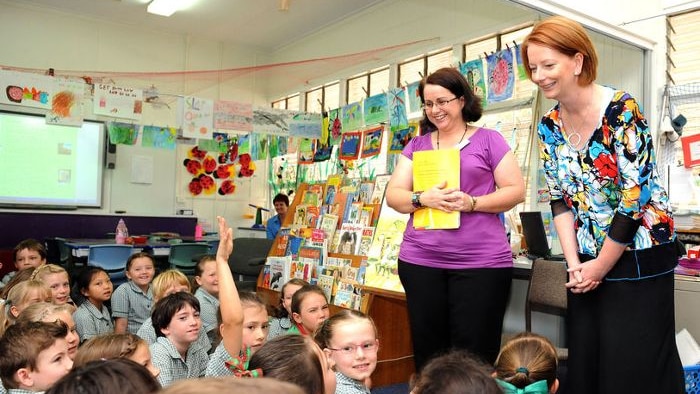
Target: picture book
<point>366,241</point>
<point>282,241</point>
<point>299,220</point>
<point>338,206</point>
<point>266,276</point>
<point>366,190</point>
<point>354,212</point>
<point>380,183</point>
<point>327,279</point>
<point>382,259</point>
<point>348,295</point>
<point>349,242</point>
<point>366,215</point>
<point>328,224</point>
<point>279,271</point>
<point>431,168</point>
<point>312,215</point>
<point>350,199</point>
<point>293,245</point>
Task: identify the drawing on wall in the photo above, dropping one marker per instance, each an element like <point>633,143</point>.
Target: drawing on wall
<point>397,109</point>
<point>117,101</point>
<point>335,126</point>
<point>122,133</point>
<point>350,145</point>
<point>158,137</point>
<point>473,71</point>
<point>233,115</point>
<point>522,75</point>
<point>372,141</point>
<point>351,117</point>
<point>66,108</point>
<point>271,121</point>
<point>400,138</point>
<point>500,76</point>
<point>28,90</point>
<point>376,110</point>
<point>414,103</point>
<point>219,143</point>
<point>305,125</point>
<point>305,152</point>
<point>196,115</point>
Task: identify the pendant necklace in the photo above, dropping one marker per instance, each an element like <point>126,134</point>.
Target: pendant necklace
<point>573,137</point>
<point>466,127</point>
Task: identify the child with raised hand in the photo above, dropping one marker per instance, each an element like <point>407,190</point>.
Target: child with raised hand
<point>282,321</point>
<point>110,346</point>
<point>132,300</point>
<point>92,318</point>
<point>33,356</point>
<point>456,372</point>
<point>19,298</point>
<point>527,361</point>
<point>29,253</point>
<point>208,294</point>
<point>349,338</point>
<point>56,279</point>
<point>309,310</point>
<point>49,313</point>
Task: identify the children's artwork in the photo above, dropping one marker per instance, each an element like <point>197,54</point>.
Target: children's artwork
<point>27,90</point>
<point>414,103</point>
<point>400,138</point>
<point>351,117</point>
<point>350,146</point>
<point>500,76</point>
<point>271,121</point>
<point>323,152</point>
<point>335,126</point>
<point>196,115</point>
<point>158,137</point>
<point>122,133</point>
<point>243,143</point>
<point>305,125</point>
<point>306,151</point>
<point>372,141</point>
<point>66,103</point>
<point>117,101</point>
<point>397,109</point>
<point>217,144</point>
<point>233,115</point>
<point>376,110</point>
<point>473,71</point>
<point>522,75</point>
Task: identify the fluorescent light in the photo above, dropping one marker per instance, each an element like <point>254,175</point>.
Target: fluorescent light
<point>166,7</point>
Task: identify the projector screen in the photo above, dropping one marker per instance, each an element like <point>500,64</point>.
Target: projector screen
<point>50,166</point>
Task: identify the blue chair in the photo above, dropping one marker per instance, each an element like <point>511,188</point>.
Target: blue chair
<point>181,256</point>
<point>111,258</point>
<point>213,246</point>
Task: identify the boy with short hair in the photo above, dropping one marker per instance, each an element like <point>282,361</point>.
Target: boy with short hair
<point>29,253</point>
<point>33,356</point>
<point>176,351</point>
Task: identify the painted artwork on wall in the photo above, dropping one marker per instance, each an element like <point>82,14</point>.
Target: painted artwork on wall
<point>372,141</point>
<point>351,117</point>
<point>305,125</point>
<point>158,137</point>
<point>196,115</point>
<point>335,125</point>
<point>25,89</point>
<point>500,76</point>
<point>117,101</point>
<point>66,107</point>
<point>233,115</point>
<point>473,71</point>
<point>305,152</point>
<point>376,110</point>
<point>350,145</point>
<point>122,133</point>
<point>397,109</point>
<point>414,103</point>
<point>400,138</point>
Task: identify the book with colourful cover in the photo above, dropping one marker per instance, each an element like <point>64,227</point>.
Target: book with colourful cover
<point>366,190</point>
<point>354,213</point>
<point>350,200</point>
<point>328,224</point>
<point>432,168</point>
<point>280,267</point>
<point>338,206</point>
<point>380,183</point>
<point>366,215</point>
<point>366,241</point>
<point>348,295</point>
<point>293,245</point>
<point>299,220</point>
<point>382,259</point>
<point>309,258</point>
<point>327,279</point>
<point>282,241</point>
<point>312,214</point>
<point>349,241</point>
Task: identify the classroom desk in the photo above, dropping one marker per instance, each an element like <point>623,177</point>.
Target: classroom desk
<point>81,247</point>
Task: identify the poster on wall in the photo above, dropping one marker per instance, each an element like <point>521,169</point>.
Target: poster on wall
<point>196,115</point>
<point>350,145</point>
<point>66,103</point>
<point>271,121</point>
<point>397,109</point>
<point>335,125</point>
<point>117,101</point>
<point>159,137</point>
<point>27,90</point>
<point>122,133</point>
<point>473,72</point>
<point>501,78</point>
<point>414,104</point>
<point>375,109</point>
<point>371,141</point>
<point>306,125</point>
<point>351,117</point>
<point>400,138</point>
<point>233,115</point>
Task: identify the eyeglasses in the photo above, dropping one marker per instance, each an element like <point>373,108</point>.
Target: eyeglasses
<point>441,103</point>
<point>352,349</point>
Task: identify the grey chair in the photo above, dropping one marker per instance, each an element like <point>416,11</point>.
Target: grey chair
<point>181,256</point>
<point>546,293</point>
<point>247,259</point>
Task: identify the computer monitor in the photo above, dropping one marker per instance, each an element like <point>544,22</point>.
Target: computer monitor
<point>535,236</point>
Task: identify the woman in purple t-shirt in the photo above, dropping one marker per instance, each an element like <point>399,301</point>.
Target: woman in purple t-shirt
<point>457,281</point>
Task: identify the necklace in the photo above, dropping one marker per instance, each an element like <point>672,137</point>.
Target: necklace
<point>466,127</point>
<point>573,137</point>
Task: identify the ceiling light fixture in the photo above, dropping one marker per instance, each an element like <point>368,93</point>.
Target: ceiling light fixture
<point>166,7</point>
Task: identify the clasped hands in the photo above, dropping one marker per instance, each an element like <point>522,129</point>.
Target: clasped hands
<point>446,199</point>
<point>584,277</point>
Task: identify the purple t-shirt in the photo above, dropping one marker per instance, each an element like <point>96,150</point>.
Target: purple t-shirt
<point>480,241</point>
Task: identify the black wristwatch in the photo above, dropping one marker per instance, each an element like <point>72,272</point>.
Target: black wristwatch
<point>415,200</point>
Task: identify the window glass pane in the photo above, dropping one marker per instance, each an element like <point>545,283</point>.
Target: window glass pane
<point>439,60</point>
<point>332,96</point>
<point>410,71</point>
<point>279,104</point>
<point>313,101</point>
<point>473,50</point>
<point>518,36</point>
<point>355,85</point>
<point>379,81</point>
<point>293,102</point>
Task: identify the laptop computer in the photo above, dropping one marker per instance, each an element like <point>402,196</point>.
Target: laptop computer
<point>536,237</point>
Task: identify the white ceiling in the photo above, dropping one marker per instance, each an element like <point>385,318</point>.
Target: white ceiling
<point>258,23</point>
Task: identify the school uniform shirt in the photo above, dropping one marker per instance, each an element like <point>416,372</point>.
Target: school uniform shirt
<point>2,389</point>
<point>91,322</point>
<point>22,391</point>
<point>172,367</point>
<point>346,385</point>
<point>131,303</point>
<point>148,333</point>
<point>7,278</point>
<point>208,306</point>
<point>279,326</point>
<point>217,362</point>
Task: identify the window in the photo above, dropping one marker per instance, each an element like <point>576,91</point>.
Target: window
<point>413,69</point>
<point>367,84</point>
<point>289,102</point>
<point>323,97</point>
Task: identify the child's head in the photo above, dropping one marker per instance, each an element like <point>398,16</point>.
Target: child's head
<point>527,359</point>
<point>349,338</point>
<point>205,275</point>
<point>115,376</point>
<point>95,285</point>
<point>168,282</point>
<point>20,276</point>
<point>33,355</point>
<point>107,347</point>
<point>295,359</point>
<point>56,278</point>
<point>255,321</point>
<point>456,372</point>
<point>288,290</point>
<point>29,253</point>
<point>140,269</point>
<point>49,313</point>
<point>309,307</point>
<point>176,317</point>
<point>231,384</point>
<point>24,294</point>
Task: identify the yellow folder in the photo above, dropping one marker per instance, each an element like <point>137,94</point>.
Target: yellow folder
<point>431,168</point>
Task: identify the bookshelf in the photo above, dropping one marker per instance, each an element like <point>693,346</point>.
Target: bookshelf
<point>387,309</point>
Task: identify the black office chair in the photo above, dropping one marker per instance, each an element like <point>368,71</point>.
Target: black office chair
<point>247,259</point>
<point>546,293</point>
<point>57,252</point>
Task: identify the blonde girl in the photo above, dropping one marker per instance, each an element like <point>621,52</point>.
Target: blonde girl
<point>283,319</point>
<point>49,313</point>
<point>132,301</point>
<point>309,310</point>
<point>349,339</point>
<point>92,317</point>
<point>19,298</point>
<point>527,361</point>
<point>56,278</point>
<point>109,346</point>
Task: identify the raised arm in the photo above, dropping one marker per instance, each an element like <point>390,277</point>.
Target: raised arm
<point>231,309</point>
